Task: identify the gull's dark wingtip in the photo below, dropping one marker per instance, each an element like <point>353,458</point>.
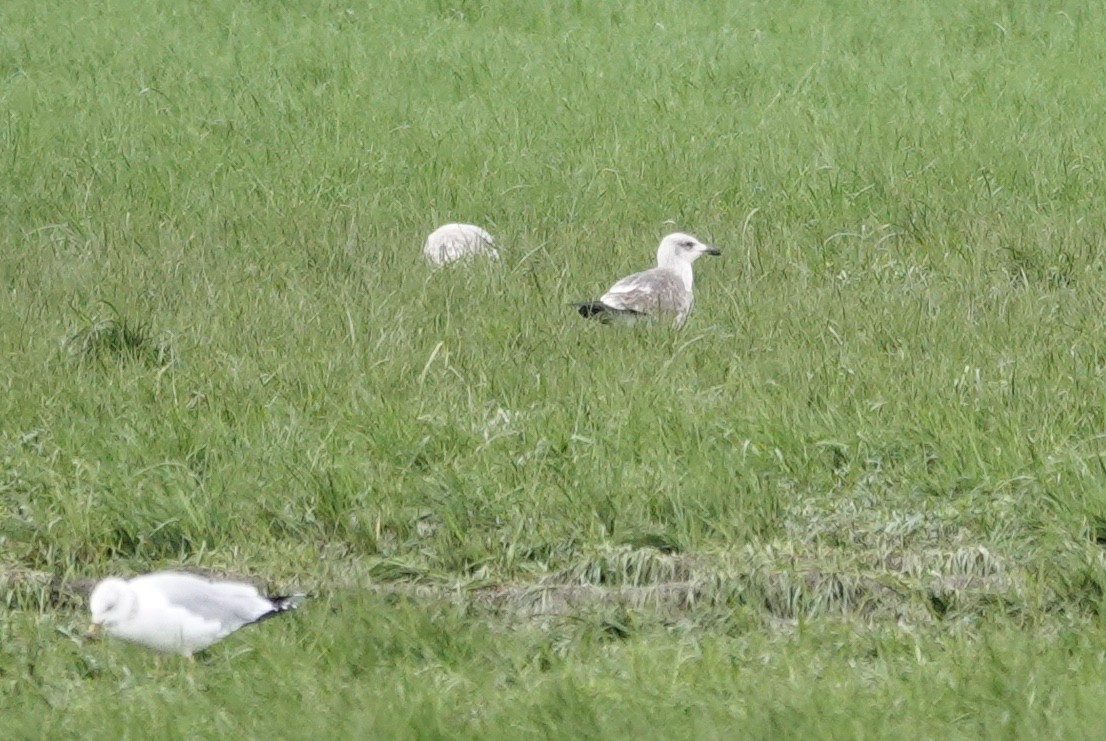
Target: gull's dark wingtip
<point>607,314</point>
<point>283,603</point>
<point>589,309</point>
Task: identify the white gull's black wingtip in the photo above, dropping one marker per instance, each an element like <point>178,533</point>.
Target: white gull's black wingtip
<point>288,601</point>
<point>589,309</point>
<point>606,314</point>
<point>283,603</point>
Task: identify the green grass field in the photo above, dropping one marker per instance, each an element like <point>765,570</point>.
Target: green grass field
<point>861,494</point>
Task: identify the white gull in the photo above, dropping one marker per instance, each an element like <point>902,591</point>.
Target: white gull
<point>455,241</point>
<point>663,290</point>
<point>179,613</point>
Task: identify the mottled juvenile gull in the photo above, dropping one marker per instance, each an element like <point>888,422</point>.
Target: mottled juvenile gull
<point>454,241</point>
<point>179,613</point>
<point>663,290</point>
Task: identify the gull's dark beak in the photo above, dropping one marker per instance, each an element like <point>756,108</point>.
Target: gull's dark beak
<point>713,250</point>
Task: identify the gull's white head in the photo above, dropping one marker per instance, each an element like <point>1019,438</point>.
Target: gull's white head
<point>112,602</point>
<point>682,248</point>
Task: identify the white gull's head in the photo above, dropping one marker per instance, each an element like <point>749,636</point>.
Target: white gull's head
<point>112,602</point>
<point>682,248</point>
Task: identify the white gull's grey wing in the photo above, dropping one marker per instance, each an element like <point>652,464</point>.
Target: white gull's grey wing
<point>231,604</point>
<point>650,292</point>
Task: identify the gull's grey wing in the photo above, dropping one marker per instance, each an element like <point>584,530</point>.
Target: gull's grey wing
<point>650,292</point>
<point>231,604</point>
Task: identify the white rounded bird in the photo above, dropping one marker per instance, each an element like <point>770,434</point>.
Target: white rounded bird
<point>455,241</point>
<point>663,290</point>
<point>179,613</point>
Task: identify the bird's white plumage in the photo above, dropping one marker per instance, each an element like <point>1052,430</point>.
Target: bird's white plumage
<point>455,241</point>
<point>176,612</point>
<point>665,289</point>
